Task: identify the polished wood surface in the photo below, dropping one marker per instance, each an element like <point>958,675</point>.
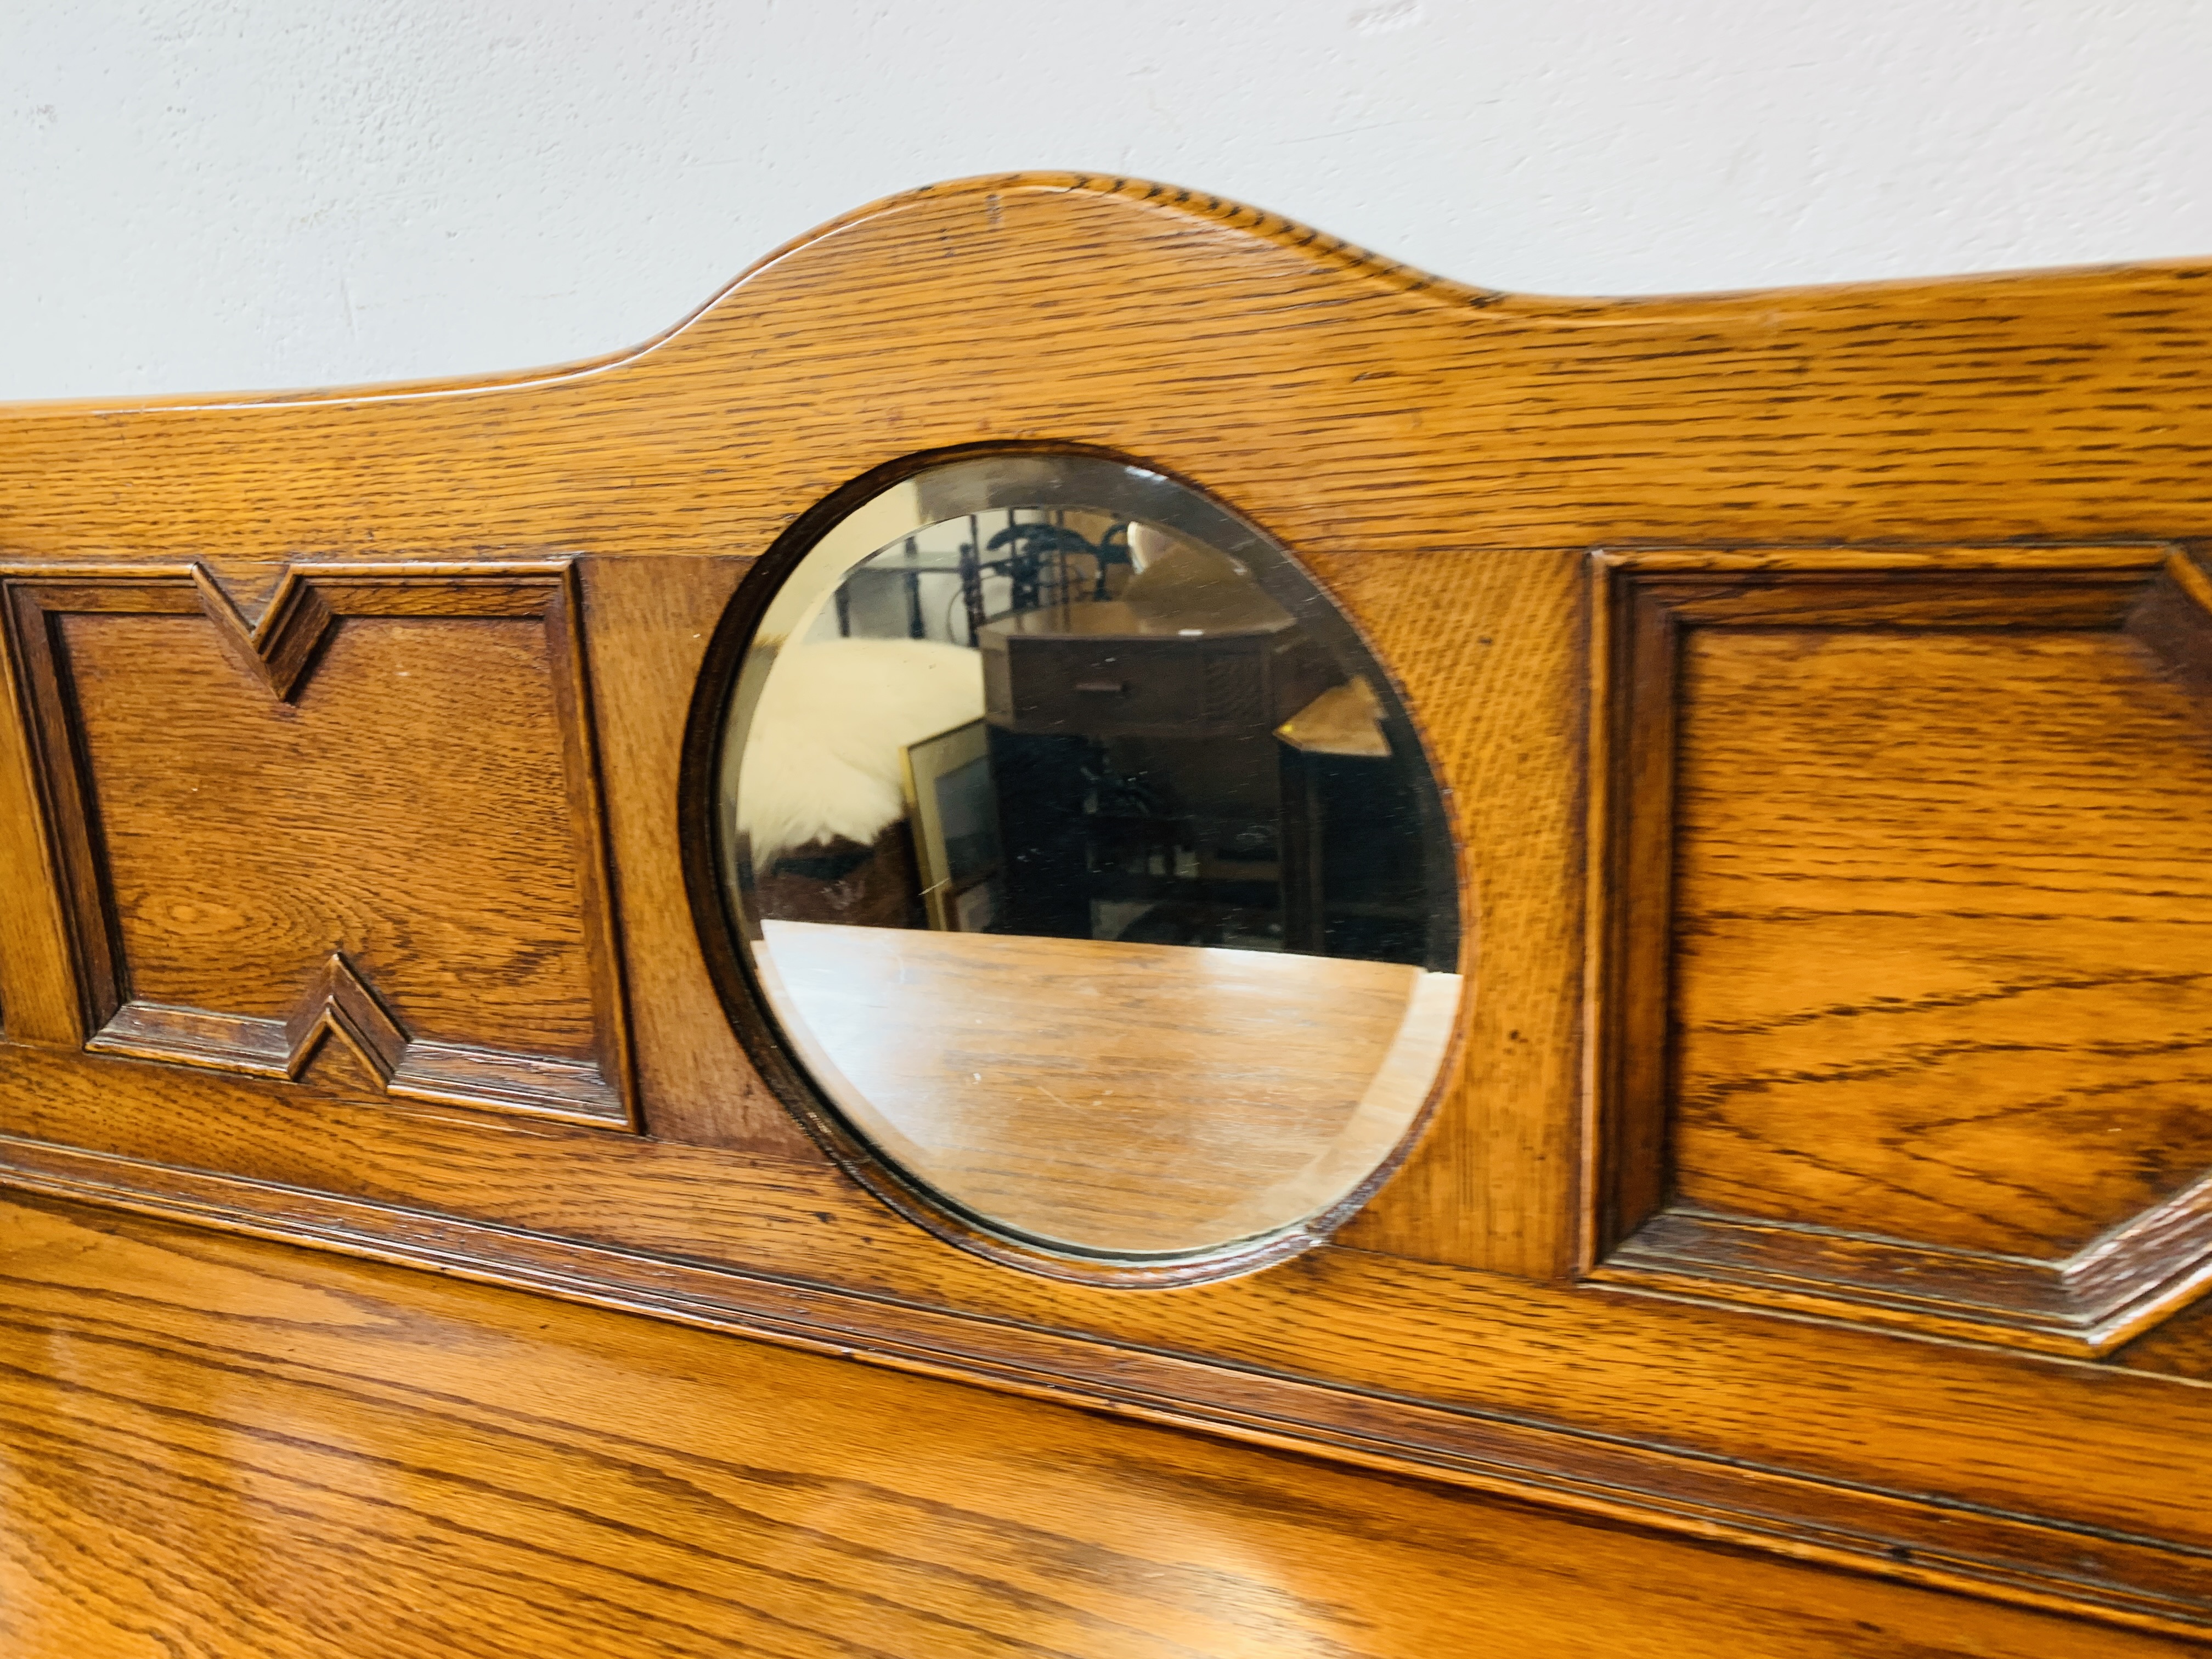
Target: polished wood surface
<point>2007,1006</point>
<point>1782,654</point>
<point>272,832</point>
<point>1483,438</point>
<point>1118,1097</point>
<point>1972,1466</point>
<point>1913,1000</point>
<point>650,620</point>
<point>221,1447</point>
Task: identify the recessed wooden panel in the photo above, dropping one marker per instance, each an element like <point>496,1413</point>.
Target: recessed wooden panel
<point>1943,913</point>
<point>371,820</point>
<point>1922,932</point>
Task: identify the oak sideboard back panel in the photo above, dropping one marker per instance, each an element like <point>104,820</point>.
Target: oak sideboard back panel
<point>1811,1202</point>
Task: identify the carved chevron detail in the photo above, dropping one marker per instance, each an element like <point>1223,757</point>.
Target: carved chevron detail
<point>340,1005</point>
<point>281,646</point>
<point>100,740</point>
<point>337,1003</point>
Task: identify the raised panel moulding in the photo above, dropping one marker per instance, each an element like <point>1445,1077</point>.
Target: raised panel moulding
<point>1900,1013</point>
<point>181,950</point>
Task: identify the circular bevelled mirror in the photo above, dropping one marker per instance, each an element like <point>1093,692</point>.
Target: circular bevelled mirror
<point>1086,865</point>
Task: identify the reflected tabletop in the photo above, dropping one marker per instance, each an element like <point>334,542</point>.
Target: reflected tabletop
<point>1111,1096</point>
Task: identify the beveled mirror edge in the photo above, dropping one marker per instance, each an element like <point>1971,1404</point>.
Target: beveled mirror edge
<point>725,927</point>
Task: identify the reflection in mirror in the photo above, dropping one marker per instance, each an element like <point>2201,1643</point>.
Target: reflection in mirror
<point>1087,861</point>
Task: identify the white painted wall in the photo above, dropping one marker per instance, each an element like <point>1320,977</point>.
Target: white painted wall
<point>204,194</point>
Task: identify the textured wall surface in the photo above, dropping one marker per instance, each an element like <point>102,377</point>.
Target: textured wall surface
<point>198,194</point>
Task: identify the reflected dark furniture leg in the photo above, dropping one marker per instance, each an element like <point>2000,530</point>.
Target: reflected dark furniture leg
<point>1041,788</point>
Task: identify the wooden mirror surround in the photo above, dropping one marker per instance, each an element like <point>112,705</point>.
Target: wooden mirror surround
<point>1096,900</point>
<point>1815,1191</point>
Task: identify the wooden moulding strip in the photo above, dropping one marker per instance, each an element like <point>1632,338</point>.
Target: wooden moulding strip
<point>2138,1583</point>
<point>2081,1307</point>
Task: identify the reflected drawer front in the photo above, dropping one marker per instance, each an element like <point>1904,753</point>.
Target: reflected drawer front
<point>1106,687</point>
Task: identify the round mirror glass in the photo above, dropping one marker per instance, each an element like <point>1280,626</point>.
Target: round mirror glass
<point>1087,862</point>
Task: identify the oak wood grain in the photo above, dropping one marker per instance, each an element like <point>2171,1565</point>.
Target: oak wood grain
<point>2181,1346</point>
<point>1493,1182</point>
<point>38,972</point>
<point>390,770</point>
<point>1540,420</point>
<point>1456,419</point>
<point>647,622</point>
<point>1907,954</point>
<point>1927,1422</point>
<point>211,1450</point>
<point>1440,458</point>
<point>1946,890</point>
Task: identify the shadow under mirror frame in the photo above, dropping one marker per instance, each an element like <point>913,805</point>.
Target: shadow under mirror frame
<point>721,706</point>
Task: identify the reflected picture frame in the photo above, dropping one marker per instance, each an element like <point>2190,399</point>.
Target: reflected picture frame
<point>947,782</point>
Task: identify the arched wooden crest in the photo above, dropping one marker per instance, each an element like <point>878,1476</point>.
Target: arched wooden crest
<point>1819,678</point>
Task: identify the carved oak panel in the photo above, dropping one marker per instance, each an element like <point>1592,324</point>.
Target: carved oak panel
<point>1911,994</point>
<point>371,818</point>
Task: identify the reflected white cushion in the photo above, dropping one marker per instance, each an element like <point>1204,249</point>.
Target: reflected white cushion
<point>823,756</point>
